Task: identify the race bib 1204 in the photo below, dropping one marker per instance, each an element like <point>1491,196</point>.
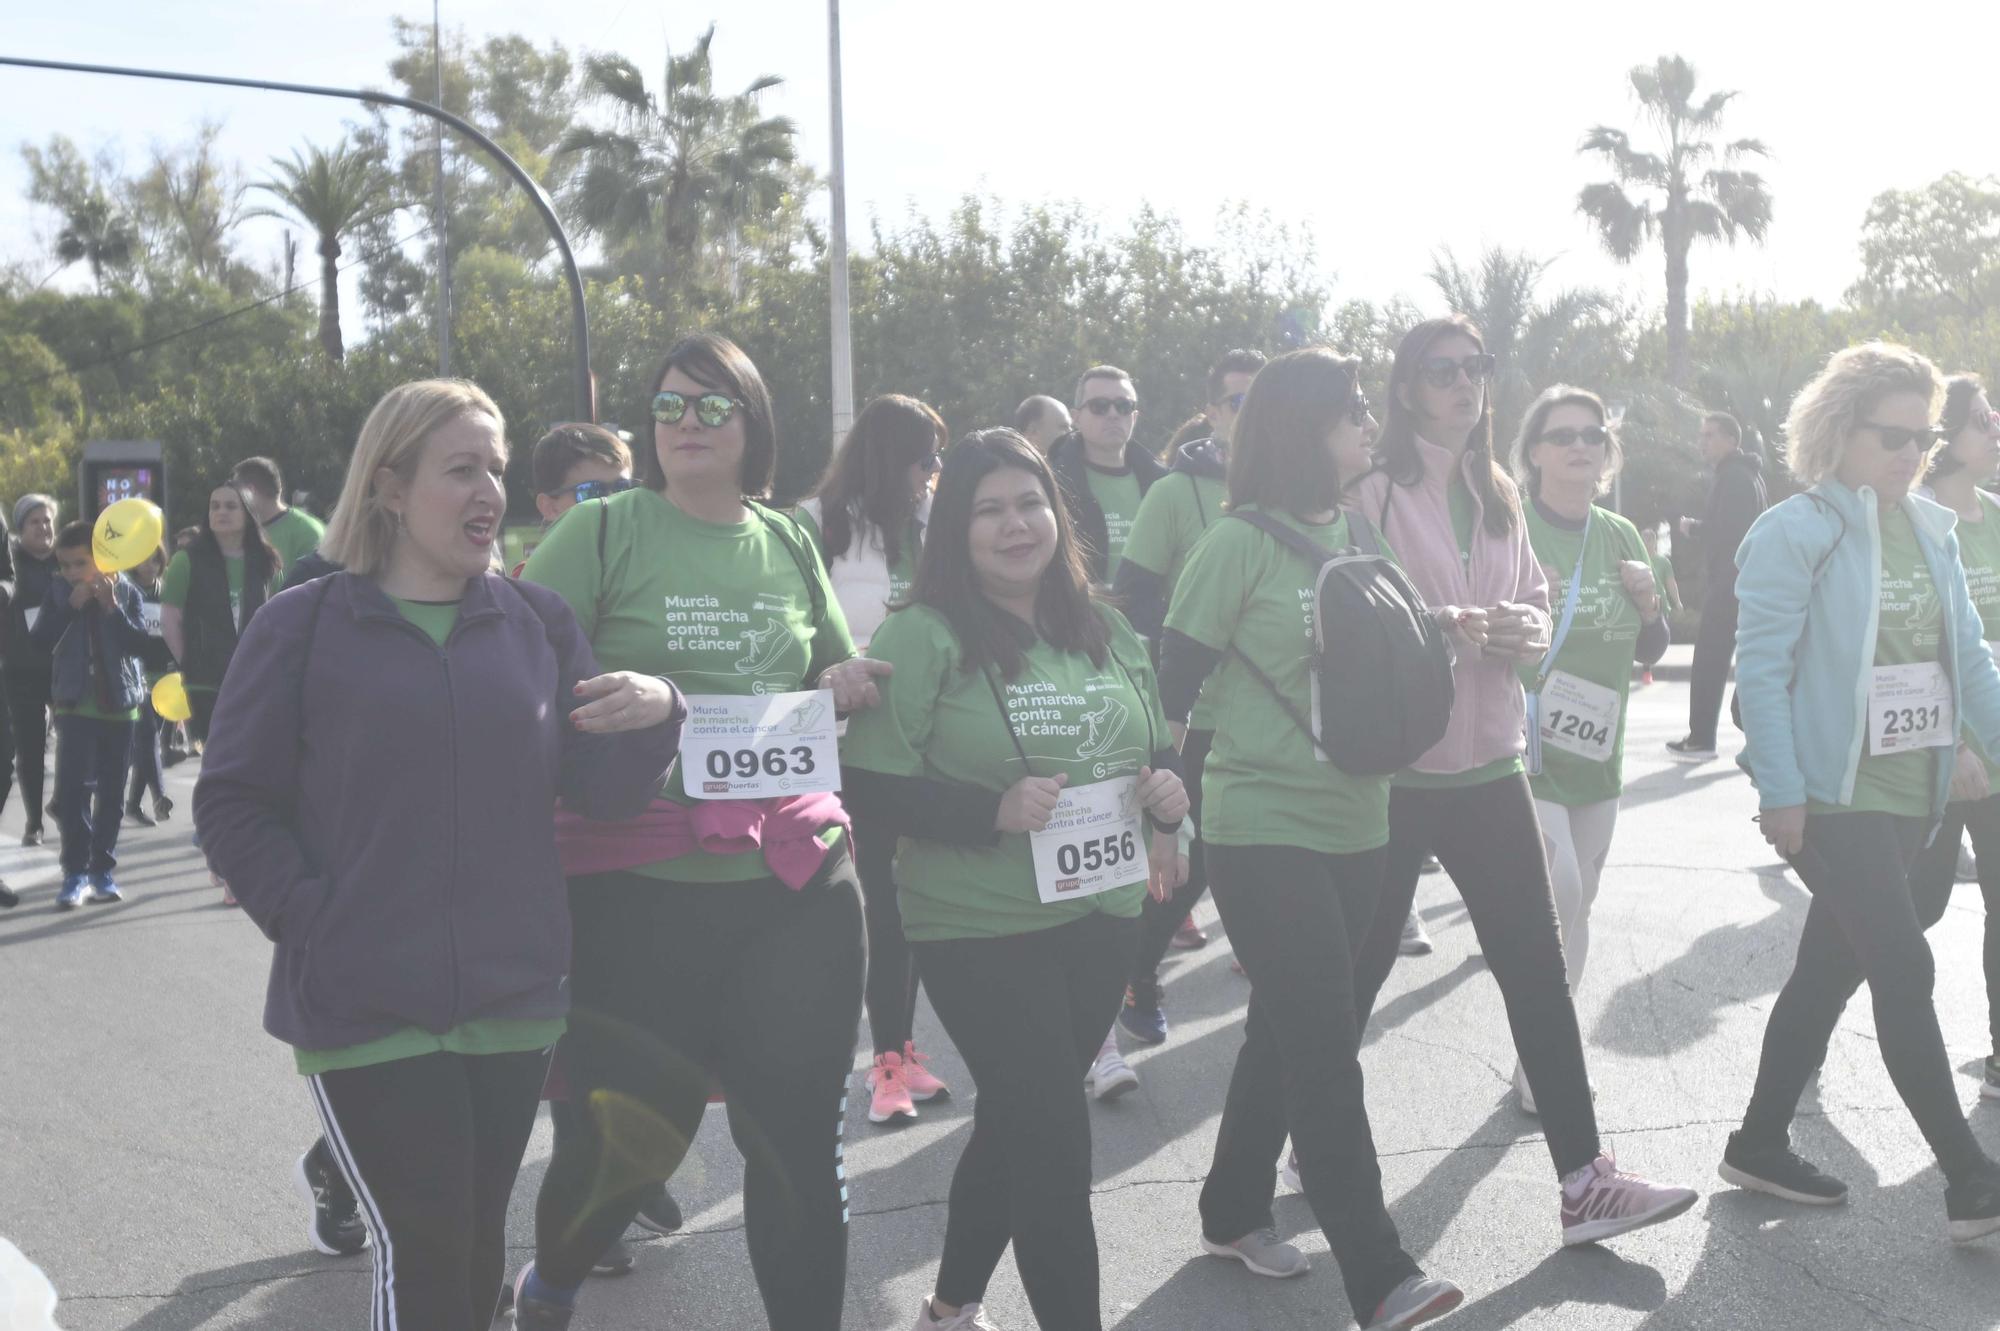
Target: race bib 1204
<point>761,747</point>
<point>1909,707</point>
<point>1095,841</point>
<point>1579,717</point>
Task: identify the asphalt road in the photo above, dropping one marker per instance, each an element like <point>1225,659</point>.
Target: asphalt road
<point>148,1126</point>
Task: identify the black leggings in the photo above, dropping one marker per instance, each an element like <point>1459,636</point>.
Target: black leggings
<point>146,756</point>
<point>1936,870</point>
<point>1862,925</point>
<point>750,984</point>
<point>891,996</point>
<point>431,1146</point>
<point>1489,841</point>
<point>1714,646</point>
<point>1158,920</point>
<point>1027,1013</point>
<point>28,710</point>
<point>1296,919</point>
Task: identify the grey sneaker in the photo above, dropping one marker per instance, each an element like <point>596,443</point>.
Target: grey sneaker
<point>1263,1252</point>
<point>1418,1299</point>
<point>971,1317</point>
<point>1415,942</point>
<point>1110,1076</point>
<point>1968,867</point>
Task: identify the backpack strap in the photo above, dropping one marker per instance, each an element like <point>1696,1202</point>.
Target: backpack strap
<point>1298,542</point>
<point>786,529</point>
<point>1200,509</point>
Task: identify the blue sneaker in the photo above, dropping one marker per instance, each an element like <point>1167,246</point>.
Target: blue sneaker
<point>74,889</point>
<point>540,1307</point>
<point>1142,1016</point>
<point>103,890</point>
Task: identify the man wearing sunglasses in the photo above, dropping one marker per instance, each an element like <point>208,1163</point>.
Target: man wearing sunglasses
<point>1103,474</point>
<point>1734,502</point>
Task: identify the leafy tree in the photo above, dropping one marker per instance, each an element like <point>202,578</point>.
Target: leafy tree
<point>1688,189</point>
<point>187,203</point>
<point>332,193</point>
<point>680,166</point>
<point>1933,250</point>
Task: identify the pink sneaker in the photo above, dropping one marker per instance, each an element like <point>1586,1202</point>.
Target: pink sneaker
<point>1189,936</point>
<point>1601,1201</point>
<point>923,1086</point>
<point>891,1098</point>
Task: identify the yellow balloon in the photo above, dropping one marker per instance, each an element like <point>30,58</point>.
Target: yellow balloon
<point>170,699</point>
<point>126,535</point>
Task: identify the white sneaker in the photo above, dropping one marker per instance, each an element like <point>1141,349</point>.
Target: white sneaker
<point>1288,1173</point>
<point>1416,943</point>
<point>968,1318</point>
<point>1109,1076</point>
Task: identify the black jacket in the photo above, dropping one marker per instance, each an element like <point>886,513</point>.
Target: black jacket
<point>1066,457</point>
<point>1143,593</point>
<point>1734,502</point>
<point>32,579</point>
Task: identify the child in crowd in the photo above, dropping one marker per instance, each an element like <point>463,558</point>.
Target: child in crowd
<point>94,625</point>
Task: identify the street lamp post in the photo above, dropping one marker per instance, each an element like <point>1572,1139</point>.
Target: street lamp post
<point>586,403</point>
<point>842,331</point>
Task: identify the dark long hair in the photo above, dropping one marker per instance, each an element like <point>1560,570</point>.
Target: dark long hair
<point>260,557</point>
<point>1279,457</point>
<point>868,476</point>
<point>1959,390</point>
<point>947,582</point>
<point>1396,449</point>
<point>719,365</point>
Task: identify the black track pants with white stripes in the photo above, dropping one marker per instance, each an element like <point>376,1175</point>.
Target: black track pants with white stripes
<point>430,1146</point>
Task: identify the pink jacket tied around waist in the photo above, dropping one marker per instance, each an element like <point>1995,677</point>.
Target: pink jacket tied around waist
<point>786,830</point>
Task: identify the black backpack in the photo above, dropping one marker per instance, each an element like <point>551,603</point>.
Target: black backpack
<point>1382,669</point>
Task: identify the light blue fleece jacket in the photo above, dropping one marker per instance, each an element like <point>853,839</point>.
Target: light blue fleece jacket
<point>1805,644</point>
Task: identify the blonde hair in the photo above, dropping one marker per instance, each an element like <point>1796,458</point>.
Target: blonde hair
<point>361,531</point>
<point>1841,396</point>
<point>1537,419</point>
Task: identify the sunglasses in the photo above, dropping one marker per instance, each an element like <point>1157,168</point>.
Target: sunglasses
<point>1443,371</point>
<point>1896,437</point>
<point>1563,436</point>
<point>584,490</point>
<point>711,409</point>
<point>1104,406</point>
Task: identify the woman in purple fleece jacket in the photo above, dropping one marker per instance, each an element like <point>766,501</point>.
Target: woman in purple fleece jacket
<point>379,787</point>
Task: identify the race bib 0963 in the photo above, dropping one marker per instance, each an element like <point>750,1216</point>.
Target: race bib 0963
<point>761,747</point>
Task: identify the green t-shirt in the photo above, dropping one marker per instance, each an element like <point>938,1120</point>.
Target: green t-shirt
<point>1117,493</point>
<point>719,608</point>
<point>435,618</point>
<point>471,1037</point>
<point>1663,578</point>
<point>1910,629</point>
<point>1979,554</point>
<point>1175,514</point>
<point>294,533</point>
<point>1263,786</point>
<point>174,583</point>
<point>1599,646</point>
<point>941,721</point>
<point>1463,516</point>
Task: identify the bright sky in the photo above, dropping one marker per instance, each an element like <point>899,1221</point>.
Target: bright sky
<point>1387,128</point>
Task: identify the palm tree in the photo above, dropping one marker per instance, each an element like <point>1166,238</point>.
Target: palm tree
<point>677,167</point>
<point>97,233</point>
<point>333,193</point>
<point>1536,343</point>
<point>1679,194</point>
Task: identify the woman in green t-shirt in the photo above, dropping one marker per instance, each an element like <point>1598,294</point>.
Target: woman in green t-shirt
<point>210,591</point>
<point>1968,460</point>
<point>1607,615</point>
<point>720,938</point>
<point>1295,845</point>
<point>1021,755</point>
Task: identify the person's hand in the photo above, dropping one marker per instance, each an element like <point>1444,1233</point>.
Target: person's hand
<point>1465,625</point>
<point>1784,828</point>
<point>1167,868</point>
<point>622,700</point>
<point>1514,632</point>
<point>1968,776</point>
<point>1028,803</point>
<point>106,592</point>
<point>853,683</point>
<point>81,594</point>
<point>1162,795</point>
<point>1641,587</point>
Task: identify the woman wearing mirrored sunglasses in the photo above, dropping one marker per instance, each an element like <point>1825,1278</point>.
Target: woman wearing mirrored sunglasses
<point>1608,615</point>
<point>1454,519</point>
<point>722,940</point>
<point>867,519</point>
<point>1860,660</point>
<point>1967,461</point>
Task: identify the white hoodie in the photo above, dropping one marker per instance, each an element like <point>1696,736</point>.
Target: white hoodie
<point>860,576</point>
